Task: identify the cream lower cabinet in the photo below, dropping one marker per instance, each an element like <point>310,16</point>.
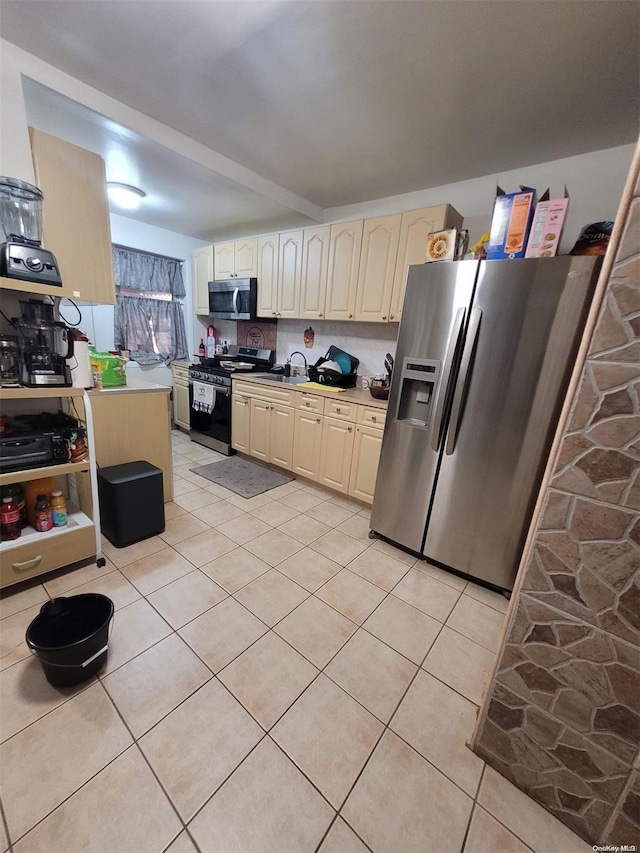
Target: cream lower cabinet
<point>271,432</point>
<point>307,444</point>
<point>241,420</point>
<point>181,413</point>
<point>337,450</point>
<point>260,429</point>
<point>364,466</point>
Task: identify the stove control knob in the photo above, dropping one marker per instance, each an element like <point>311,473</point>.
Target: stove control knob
<point>34,264</point>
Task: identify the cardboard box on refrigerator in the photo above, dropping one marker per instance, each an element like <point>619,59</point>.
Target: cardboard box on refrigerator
<point>511,223</point>
<point>546,230</point>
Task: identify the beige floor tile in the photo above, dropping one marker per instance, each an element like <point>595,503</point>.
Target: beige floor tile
<point>199,454</point>
<point>487,596</point>
<point>182,487</point>
<point>318,491</point>
<point>304,528</point>
<point>275,513</point>
<point>346,503</point>
<point>182,467</point>
<point>198,745</point>
<point>330,755</point>
<point>402,803</point>
<point>205,547</point>
<point>182,527</point>
<point>136,628</point>
<point>247,504</point>
<point>267,678</point>
<point>438,722</point>
<point>379,568</point>
<point>432,597</point>
<point>182,844</point>
<point>271,596</point>
<point>274,547</point>
<point>196,499</point>
<point>235,569</point>
<point>396,553</point>
<point>357,527</point>
<point>16,599</point>
<point>486,835</point>
<point>157,570</point>
<point>409,631</point>
<point>316,630</point>
<point>365,513</point>
<point>477,621</point>
<point>222,633</point>
<point>47,762</point>
<point>221,492</point>
<point>114,585</point>
<point>309,569</point>
<point>152,684</point>
<point>26,695</point>
<point>372,673</point>
<point>534,825</point>
<point>267,805</point>
<point>342,839</point>
<point>4,841</point>
<point>105,814</point>
<point>218,512</point>
<point>12,630</point>
<point>339,547</point>
<point>173,510</point>
<point>123,556</point>
<point>441,575</point>
<point>282,491</point>
<point>302,500</point>
<point>330,514</point>
<point>460,663</point>
<point>197,480</point>
<point>181,601</point>
<point>244,528</point>
<point>66,580</point>
<point>353,596</point>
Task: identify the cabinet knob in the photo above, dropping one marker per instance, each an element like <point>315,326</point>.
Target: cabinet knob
<point>391,316</point>
<point>384,316</point>
<point>317,420</point>
<point>273,313</point>
<point>320,315</point>
<point>373,418</point>
<point>349,429</point>
<point>338,409</point>
<point>349,316</point>
<point>307,403</point>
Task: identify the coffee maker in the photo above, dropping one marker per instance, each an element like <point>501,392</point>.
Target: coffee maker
<point>21,253</point>
<point>45,344</point>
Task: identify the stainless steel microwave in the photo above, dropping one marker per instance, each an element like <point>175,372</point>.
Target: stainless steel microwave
<point>233,299</point>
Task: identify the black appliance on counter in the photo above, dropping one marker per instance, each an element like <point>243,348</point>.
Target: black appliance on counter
<point>32,441</point>
<point>210,393</point>
<point>45,346</point>
<point>234,299</point>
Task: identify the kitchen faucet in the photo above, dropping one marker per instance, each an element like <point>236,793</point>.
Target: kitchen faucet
<point>287,367</point>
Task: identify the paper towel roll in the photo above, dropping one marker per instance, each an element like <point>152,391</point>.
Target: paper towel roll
<point>80,365</point>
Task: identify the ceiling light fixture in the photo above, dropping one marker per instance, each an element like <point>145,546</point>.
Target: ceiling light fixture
<point>124,195</point>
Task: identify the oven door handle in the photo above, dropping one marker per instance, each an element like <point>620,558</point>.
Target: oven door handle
<point>236,294</point>
<point>223,390</point>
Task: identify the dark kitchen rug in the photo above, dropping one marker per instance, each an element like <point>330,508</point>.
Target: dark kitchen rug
<point>242,477</point>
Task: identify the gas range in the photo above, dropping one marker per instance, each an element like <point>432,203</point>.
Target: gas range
<point>218,370</point>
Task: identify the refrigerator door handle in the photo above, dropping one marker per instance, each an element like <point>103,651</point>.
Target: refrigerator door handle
<point>460,392</point>
<point>445,386</point>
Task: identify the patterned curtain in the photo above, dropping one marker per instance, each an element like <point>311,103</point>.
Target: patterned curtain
<point>147,273</point>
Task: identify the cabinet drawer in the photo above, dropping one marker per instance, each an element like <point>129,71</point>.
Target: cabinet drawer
<point>51,552</point>
<point>371,417</point>
<point>309,402</point>
<point>341,411</point>
<point>180,373</point>
<point>264,392</point>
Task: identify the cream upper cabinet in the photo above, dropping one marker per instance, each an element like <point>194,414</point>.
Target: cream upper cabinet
<point>75,215</point>
<point>246,253</point>
<point>364,467</point>
<point>202,274</point>
<point>337,450</point>
<point>282,428</point>
<point>268,253</point>
<point>315,262</point>
<point>289,274</point>
<point>380,239</point>
<point>224,260</point>
<point>307,444</point>
<point>412,248</point>
<point>241,420</point>
<point>345,242</point>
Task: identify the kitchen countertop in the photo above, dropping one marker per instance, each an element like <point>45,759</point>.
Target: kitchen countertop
<point>133,386</point>
<point>352,395</point>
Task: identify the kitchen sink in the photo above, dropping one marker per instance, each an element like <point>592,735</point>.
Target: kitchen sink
<point>280,377</point>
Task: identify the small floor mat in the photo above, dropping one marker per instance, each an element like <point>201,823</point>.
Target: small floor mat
<point>242,477</point>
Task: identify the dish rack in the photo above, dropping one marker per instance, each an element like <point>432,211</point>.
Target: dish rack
<point>346,379</point>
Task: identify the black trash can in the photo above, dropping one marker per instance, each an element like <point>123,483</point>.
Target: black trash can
<point>70,637</point>
<point>131,502</point>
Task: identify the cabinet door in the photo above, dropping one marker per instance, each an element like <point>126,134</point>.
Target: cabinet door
<point>268,248</point>
<point>289,274</point>
<point>202,273</point>
<point>307,444</point>
<point>240,423</point>
<point>181,403</point>
<point>315,260</point>
<point>412,248</point>
<point>224,260</point>
<point>377,266</point>
<point>344,259</point>
<point>75,215</point>
<point>259,434</point>
<point>247,257</point>
<point>282,429</point>
<point>337,450</point>
<point>364,468</point>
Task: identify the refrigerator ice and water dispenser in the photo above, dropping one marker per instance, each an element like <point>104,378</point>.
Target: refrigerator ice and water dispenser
<point>418,380</point>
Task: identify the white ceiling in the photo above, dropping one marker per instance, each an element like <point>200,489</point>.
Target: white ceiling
<point>338,101</point>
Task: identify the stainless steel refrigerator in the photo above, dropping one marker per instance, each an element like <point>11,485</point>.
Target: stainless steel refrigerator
<point>485,351</point>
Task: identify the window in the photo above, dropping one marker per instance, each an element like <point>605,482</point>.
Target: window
<point>149,321</point>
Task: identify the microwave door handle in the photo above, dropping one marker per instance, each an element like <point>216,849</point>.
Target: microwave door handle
<point>236,294</point>
<point>444,393</point>
<point>463,378</point>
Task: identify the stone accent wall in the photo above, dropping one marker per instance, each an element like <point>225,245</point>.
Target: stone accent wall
<point>561,719</point>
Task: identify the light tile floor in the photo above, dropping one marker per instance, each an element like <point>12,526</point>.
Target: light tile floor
<point>276,681</point>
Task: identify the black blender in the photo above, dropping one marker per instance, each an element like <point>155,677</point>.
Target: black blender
<point>21,253</point>
<point>45,344</point>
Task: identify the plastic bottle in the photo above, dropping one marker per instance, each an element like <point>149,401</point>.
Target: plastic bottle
<point>58,509</point>
<point>44,516</point>
<point>225,348</point>
<point>9,519</point>
<point>201,349</point>
<point>15,491</point>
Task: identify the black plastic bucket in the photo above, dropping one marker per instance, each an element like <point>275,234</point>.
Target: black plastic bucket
<point>70,637</point>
